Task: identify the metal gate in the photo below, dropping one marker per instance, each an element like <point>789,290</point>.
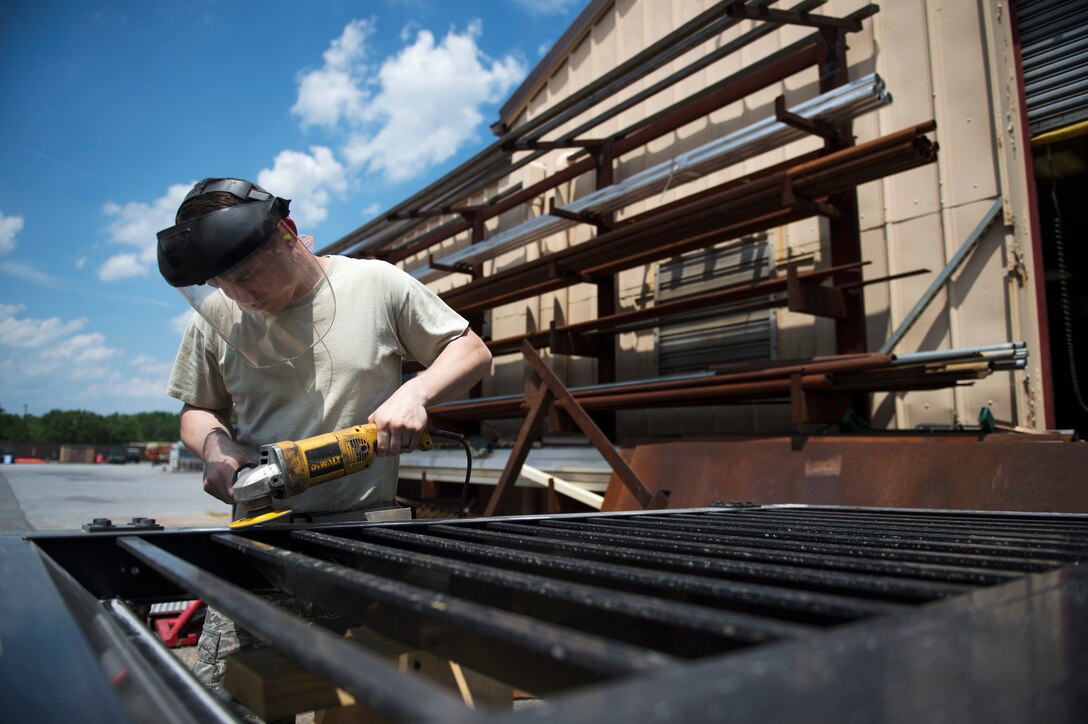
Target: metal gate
<point>741,612</point>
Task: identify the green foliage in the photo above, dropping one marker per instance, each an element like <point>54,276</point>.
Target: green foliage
<point>89,428</point>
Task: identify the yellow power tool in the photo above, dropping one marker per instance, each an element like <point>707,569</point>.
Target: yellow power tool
<point>292,467</point>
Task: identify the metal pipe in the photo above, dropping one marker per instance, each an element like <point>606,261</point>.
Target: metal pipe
<point>636,613</point>
<point>940,355</point>
<point>366,676</point>
<point>781,600</point>
<point>516,648</point>
<point>870,540</point>
<point>843,557</point>
<point>511,536</point>
<point>849,101</point>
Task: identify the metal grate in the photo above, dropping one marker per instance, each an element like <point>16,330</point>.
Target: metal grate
<point>606,613</point>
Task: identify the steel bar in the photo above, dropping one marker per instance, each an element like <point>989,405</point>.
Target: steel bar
<point>771,530</point>
<point>858,98</point>
<point>1007,349</point>
<point>193,696</point>
<point>540,398</point>
<point>775,383</point>
<point>950,268</point>
<point>738,292</point>
<point>641,241</point>
<point>997,538</point>
<point>511,647</point>
<point>1018,653</point>
<point>781,601</point>
<point>673,627</point>
<point>846,562</point>
<point>981,521</point>
<point>366,676</point>
<point>789,573</point>
<point>645,497</point>
<point>853,547</point>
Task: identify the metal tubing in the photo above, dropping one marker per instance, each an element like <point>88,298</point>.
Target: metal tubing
<point>771,530</point>
<point>996,538</point>
<point>511,647</point>
<point>593,546</point>
<point>855,547</point>
<point>366,676</point>
<point>193,695</point>
<point>640,242</point>
<point>637,614</point>
<point>847,562</point>
<point>781,600</point>
<point>855,99</point>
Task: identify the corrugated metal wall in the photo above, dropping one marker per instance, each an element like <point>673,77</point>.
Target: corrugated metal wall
<point>945,60</point>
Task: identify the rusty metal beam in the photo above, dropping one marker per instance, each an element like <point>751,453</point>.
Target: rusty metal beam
<point>739,208</point>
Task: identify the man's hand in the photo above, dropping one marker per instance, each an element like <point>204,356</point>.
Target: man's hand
<point>402,417</point>
<point>222,457</point>
<point>400,421</point>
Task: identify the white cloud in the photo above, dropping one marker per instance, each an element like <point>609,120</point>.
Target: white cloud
<point>122,266</point>
<point>547,7</point>
<point>115,385</point>
<point>426,105</point>
<point>309,180</point>
<point>33,333</point>
<point>41,354</point>
<point>371,209</point>
<point>334,91</point>
<point>9,227</point>
<point>136,224</point>
<point>30,274</point>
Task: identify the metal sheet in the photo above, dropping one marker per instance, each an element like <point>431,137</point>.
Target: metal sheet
<point>996,472</point>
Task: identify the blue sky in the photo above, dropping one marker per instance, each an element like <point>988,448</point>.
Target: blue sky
<point>113,109</point>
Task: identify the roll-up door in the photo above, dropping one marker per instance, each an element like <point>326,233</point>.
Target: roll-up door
<point>1054,52</point>
<point>717,335</point>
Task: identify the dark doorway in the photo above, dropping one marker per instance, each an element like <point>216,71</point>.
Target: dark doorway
<point>1061,174</point>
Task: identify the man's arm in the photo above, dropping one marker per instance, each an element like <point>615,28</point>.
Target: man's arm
<point>402,417</point>
<point>207,434</point>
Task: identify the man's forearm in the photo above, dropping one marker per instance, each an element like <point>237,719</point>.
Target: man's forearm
<point>198,423</point>
<point>461,365</point>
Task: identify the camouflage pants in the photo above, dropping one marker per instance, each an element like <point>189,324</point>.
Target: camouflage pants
<point>220,638</point>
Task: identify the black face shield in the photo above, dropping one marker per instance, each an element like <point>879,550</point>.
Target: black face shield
<point>204,247</point>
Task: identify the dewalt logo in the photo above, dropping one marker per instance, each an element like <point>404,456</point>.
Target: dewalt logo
<point>319,466</point>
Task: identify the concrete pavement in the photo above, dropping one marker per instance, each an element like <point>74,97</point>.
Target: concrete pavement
<point>57,496</point>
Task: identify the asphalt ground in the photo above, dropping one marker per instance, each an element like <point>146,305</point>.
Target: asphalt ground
<point>59,496</point>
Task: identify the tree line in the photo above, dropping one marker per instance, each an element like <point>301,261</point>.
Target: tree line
<point>81,427</point>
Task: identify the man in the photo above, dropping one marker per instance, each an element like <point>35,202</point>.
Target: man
<point>295,345</point>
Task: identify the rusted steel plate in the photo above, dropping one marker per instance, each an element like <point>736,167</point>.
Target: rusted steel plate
<point>963,472</point>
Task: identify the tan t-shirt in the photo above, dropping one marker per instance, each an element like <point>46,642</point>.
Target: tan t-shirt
<point>383,316</point>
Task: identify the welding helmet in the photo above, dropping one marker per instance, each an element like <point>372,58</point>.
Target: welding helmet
<point>244,270</point>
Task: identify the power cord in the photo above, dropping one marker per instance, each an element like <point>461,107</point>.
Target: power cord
<point>1063,287</point>
<point>454,437</point>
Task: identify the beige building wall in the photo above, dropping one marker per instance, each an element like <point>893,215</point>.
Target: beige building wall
<point>945,60</point>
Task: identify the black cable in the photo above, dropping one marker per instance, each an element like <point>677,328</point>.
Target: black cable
<point>454,437</point>
<point>1063,287</point>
